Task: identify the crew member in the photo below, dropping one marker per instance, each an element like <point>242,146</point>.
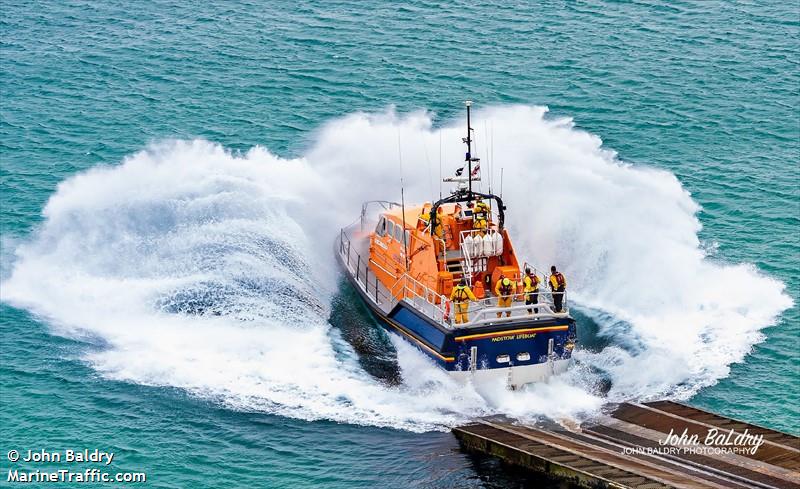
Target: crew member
<point>461,295</point>
<point>530,287</point>
<point>504,290</point>
<point>438,230</point>
<point>457,212</point>
<point>423,220</point>
<point>558,286</point>
<point>480,216</point>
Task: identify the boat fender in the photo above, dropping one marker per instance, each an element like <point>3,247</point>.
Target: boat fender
<point>477,246</point>
<point>498,244</point>
<point>488,245</point>
<point>469,246</point>
<point>446,310</point>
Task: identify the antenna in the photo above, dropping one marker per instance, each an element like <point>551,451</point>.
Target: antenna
<point>491,151</point>
<point>402,198</point>
<point>468,103</point>
<point>430,173</point>
<point>488,158</point>
<point>501,182</point>
<point>477,151</point>
<point>440,163</point>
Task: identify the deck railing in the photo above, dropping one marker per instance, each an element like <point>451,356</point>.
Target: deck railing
<point>425,299</point>
<point>365,210</point>
<point>485,311</point>
<point>359,267</point>
<point>422,297</point>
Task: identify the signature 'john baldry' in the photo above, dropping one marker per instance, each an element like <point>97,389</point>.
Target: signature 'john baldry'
<point>715,437</point>
<point>79,456</point>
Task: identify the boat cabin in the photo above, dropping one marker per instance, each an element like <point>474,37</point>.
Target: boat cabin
<point>464,241</point>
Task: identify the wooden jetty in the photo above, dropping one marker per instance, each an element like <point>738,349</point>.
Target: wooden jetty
<point>629,448</point>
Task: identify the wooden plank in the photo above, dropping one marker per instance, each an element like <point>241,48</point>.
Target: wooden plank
<point>740,472</point>
<point>625,449</point>
<point>773,453</point>
<point>713,419</point>
<point>612,455</point>
<point>485,440</point>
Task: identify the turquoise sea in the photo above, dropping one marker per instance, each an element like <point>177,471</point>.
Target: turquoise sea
<point>173,175</point>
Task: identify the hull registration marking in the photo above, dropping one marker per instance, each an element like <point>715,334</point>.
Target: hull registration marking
<point>512,334</point>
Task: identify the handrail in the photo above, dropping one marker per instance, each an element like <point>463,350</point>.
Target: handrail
<point>411,289</point>
<point>488,305</point>
<point>526,265</point>
<point>467,267</point>
<point>474,264</point>
<point>363,280</point>
<point>387,272</point>
<point>443,248</point>
<point>416,283</point>
<point>387,205</point>
<point>545,311</point>
<point>544,283</point>
<point>421,291</point>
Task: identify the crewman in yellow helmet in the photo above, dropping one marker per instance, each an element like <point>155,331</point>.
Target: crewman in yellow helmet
<point>504,290</point>
<point>482,208</point>
<point>461,295</point>
<point>558,286</point>
<point>423,220</point>
<point>439,230</point>
<point>530,287</point>
<point>480,216</point>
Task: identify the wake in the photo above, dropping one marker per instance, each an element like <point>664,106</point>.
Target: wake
<point>212,271</point>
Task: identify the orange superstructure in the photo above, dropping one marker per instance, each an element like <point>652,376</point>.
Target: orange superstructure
<point>435,259</point>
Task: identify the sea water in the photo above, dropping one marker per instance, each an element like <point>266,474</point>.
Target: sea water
<point>173,178</point>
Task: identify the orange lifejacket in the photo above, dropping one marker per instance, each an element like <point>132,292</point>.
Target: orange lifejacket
<point>560,282</point>
<point>506,289</point>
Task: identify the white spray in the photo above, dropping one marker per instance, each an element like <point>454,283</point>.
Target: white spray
<point>213,272</point>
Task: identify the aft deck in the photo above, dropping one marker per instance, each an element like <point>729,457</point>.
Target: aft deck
<point>352,249</point>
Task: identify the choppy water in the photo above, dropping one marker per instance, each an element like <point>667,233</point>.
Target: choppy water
<point>172,177</point>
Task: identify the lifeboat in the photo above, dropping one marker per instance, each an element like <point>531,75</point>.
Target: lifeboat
<point>404,262</point>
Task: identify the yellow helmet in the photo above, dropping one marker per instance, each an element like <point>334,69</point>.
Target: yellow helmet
<point>506,281</point>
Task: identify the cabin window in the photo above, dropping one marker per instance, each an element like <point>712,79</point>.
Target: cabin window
<point>381,229</point>
<point>398,233</point>
<point>503,358</point>
<point>390,228</point>
<point>523,356</point>
<point>408,238</point>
